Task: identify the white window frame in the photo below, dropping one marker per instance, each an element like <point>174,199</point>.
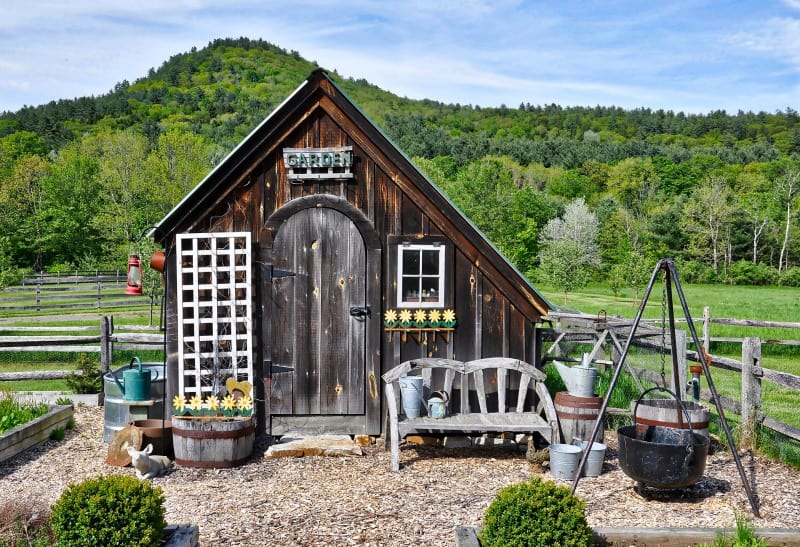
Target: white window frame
<point>419,247</point>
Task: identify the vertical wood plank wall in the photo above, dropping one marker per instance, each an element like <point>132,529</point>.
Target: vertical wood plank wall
<point>489,324</point>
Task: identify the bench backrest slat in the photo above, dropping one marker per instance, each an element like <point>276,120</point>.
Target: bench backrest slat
<point>524,380</point>
<point>502,375</point>
<point>480,389</point>
<point>494,369</point>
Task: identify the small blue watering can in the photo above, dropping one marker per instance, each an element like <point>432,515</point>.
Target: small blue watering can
<point>137,382</point>
<point>437,404</point>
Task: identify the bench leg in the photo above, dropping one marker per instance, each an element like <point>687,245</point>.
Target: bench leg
<point>393,433</point>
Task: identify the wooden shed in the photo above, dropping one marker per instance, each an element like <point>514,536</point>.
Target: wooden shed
<point>315,257</point>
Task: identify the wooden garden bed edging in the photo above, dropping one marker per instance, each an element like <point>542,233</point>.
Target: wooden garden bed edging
<point>506,374</point>
<point>35,432</point>
<point>467,536</point>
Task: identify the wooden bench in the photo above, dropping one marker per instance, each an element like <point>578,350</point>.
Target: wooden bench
<point>532,409</point>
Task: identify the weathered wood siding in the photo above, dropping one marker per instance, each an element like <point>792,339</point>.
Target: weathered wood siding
<point>388,201</point>
<point>489,324</point>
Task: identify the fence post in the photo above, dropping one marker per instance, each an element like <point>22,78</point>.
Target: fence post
<point>106,348</point>
<point>751,390</point>
<point>707,329</point>
<point>680,351</point>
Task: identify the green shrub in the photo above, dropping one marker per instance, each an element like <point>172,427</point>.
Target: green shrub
<point>744,272</point>
<point>90,379</point>
<point>58,434</point>
<point>790,277</point>
<point>111,510</point>
<point>537,512</point>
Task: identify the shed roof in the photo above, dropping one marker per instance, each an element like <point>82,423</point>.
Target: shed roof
<point>240,161</point>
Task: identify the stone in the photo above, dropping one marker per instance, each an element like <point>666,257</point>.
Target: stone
<point>422,439</point>
<point>362,440</point>
<point>457,441</point>
<point>494,441</point>
<point>313,445</point>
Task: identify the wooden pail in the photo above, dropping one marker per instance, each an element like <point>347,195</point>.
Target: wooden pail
<point>209,442</point>
<point>577,415</point>
<point>665,412</point>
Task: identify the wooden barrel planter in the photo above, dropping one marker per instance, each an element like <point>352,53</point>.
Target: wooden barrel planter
<point>212,442</point>
<point>577,415</point>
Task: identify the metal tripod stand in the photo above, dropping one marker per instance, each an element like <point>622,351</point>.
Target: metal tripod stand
<point>671,277</point>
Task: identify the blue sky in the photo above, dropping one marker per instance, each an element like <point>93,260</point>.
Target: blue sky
<point>690,56</point>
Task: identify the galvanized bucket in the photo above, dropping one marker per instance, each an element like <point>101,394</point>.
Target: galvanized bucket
<point>564,460</point>
<point>594,461</point>
<point>411,391</point>
<point>119,412</point>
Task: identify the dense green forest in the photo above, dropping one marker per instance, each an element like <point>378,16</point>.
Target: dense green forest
<point>600,190</point>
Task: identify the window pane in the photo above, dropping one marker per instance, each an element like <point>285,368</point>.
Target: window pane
<point>430,262</point>
<point>411,289</point>
<point>411,262</point>
<point>430,288</point>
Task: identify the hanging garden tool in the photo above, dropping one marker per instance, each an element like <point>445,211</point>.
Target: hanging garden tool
<point>670,277</point>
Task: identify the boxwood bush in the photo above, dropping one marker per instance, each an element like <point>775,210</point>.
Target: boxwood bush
<point>106,511</point>
<point>536,512</point>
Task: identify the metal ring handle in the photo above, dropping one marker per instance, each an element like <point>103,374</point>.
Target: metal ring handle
<point>659,388</point>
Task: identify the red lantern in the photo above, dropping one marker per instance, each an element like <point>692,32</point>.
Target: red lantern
<point>134,281</point>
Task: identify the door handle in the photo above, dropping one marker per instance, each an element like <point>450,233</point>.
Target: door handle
<point>359,311</point>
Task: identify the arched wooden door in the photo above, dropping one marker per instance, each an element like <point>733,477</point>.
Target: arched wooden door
<point>318,315</point>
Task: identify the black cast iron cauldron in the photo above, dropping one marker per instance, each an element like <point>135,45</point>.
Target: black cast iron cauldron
<point>662,457</point>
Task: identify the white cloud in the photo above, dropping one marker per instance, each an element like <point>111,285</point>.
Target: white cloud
<point>671,56</point>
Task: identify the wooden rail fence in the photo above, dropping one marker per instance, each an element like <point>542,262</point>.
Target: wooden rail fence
<point>749,406</point>
<point>44,292</point>
<point>104,339</point>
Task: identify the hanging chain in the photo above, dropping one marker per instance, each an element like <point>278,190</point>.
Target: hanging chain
<point>664,332</point>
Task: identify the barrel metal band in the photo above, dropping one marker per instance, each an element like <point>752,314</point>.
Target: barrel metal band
<point>232,434</point>
<point>570,415</point>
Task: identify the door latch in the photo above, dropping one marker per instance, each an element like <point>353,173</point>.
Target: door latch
<point>359,311</point>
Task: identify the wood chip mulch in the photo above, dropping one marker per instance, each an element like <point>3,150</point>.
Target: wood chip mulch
<point>359,501</point>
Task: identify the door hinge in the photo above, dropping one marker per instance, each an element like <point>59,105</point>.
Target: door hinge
<point>271,272</point>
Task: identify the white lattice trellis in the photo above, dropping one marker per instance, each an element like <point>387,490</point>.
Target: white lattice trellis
<point>215,328</point>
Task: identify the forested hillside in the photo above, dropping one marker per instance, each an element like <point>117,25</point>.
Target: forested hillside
<point>596,188</point>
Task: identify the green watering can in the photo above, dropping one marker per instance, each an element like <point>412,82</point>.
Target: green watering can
<point>137,382</point>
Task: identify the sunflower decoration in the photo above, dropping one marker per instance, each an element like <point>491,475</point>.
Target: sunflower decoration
<point>434,318</point>
<point>420,318</point>
<point>449,318</point>
<point>212,404</point>
<point>196,405</point>
<point>390,318</point>
<point>405,318</point>
<point>228,405</point>
<point>245,405</point>
<point>179,405</point>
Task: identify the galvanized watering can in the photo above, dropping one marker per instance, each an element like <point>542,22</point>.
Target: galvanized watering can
<point>579,379</point>
<point>137,382</point>
<point>437,404</point>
